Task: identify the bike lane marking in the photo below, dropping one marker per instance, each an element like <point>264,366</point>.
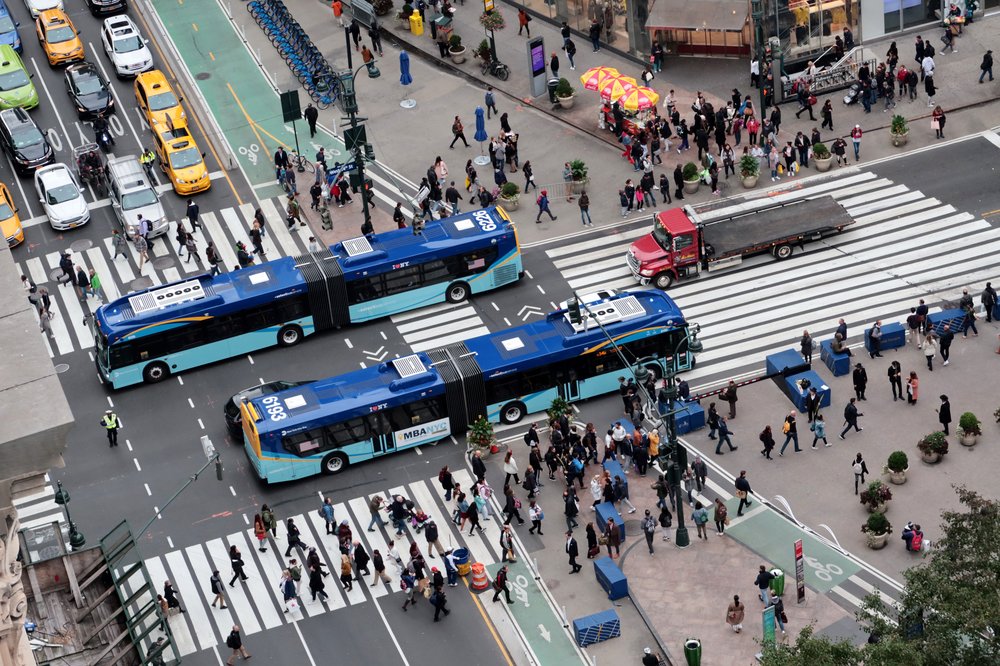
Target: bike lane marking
<point>773,538</point>
<point>535,618</point>
<point>245,106</point>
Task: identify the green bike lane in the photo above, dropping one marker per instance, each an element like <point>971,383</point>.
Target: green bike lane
<point>244,105</point>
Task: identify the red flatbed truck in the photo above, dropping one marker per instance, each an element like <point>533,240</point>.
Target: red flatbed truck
<point>686,241</point>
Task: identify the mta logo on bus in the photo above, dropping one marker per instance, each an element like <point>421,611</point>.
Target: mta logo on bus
<point>425,432</point>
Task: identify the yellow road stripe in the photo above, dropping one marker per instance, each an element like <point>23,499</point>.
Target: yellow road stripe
<point>195,26</point>
<point>489,623</point>
<point>250,121</point>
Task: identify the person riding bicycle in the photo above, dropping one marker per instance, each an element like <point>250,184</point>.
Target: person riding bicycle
<point>147,159</point>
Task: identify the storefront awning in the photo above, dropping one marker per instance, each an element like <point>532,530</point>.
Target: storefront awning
<point>728,15</point>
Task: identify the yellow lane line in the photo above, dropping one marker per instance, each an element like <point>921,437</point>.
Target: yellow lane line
<point>250,121</point>
<point>489,623</point>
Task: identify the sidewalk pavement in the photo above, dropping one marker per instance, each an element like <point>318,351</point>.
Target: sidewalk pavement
<point>409,140</point>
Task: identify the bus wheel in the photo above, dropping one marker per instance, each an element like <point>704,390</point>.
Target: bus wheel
<point>457,292</point>
<point>664,280</point>
<point>155,372</point>
<point>334,463</point>
<point>513,412</point>
<point>289,336</point>
<point>782,251</point>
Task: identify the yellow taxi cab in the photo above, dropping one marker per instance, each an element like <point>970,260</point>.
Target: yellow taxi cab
<point>58,37</point>
<point>182,161</point>
<point>10,223</point>
<point>158,102</point>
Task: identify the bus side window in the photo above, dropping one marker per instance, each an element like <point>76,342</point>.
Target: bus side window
<point>379,424</point>
<point>304,443</point>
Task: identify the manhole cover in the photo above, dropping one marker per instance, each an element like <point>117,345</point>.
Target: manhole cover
<point>81,245</point>
<point>201,76</point>
<point>141,283</point>
<point>62,367</point>
<point>163,263</point>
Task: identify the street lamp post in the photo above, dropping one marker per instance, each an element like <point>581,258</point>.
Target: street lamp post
<point>76,538</point>
<point>757,15</point>
<point>674,455</point>
<point>355,138</point>
<point>213,458</point>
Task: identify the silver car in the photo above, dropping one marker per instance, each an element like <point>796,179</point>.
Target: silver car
<point>133,195</point>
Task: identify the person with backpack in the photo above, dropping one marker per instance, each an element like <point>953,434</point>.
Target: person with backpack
<point>543,207</point>
<point>235,642</point>
<point>700,518</point>
<point>447,482</point>
<point>408,583</point>
<point>326,513</point>
<point>536,516</point>
<point>500,585</point>
<point>913,537</point>
<point>721,517</point>
<point>648,525</point>
<point>819,431</point>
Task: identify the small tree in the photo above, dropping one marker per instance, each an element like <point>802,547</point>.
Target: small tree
<point>564,88</point>
<point>749,166</point>
<point>509,190</point>
<point>899,125</point>
<point>690,171</point>
<point>898,462</point>
<point>579,169</point>
<point>969,424</point>
<point>811,650</point>
<point>455,43</point>
<point>559,407</point>
<point>820,151</point>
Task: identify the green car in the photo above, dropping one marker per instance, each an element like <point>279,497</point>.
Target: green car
<point>16,88</point>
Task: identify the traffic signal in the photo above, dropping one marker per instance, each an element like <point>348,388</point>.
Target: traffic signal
<point>573,305</point>
<point>369,190</point>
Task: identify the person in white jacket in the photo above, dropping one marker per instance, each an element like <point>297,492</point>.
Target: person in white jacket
<point>510,468</point>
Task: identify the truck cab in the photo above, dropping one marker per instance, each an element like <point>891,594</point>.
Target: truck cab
<point>670,251</point>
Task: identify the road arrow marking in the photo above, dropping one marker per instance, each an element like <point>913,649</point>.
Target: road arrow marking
<point>527,311</point>
<point>545,633</point>
<point>377,355</point>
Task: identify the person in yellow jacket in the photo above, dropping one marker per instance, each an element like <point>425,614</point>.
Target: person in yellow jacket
<point>654,444</point>
<point>111,423</point>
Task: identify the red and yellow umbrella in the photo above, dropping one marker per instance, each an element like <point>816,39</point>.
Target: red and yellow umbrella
<point>595,76</point>
<point>614,87</point>
<point>639,99</point>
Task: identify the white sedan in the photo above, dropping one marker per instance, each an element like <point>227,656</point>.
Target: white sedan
<point>61,197</point>
<point>125,46</point>
<point>36,7</point>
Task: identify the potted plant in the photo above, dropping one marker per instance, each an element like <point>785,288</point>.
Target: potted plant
<point>877,530</point>
<point>896,467</point>
<point>382,7</point>
<point>932,447</point>
<point>691,177</point>
<point>492,20</point>
<point>564,93</point>
<point>559,407</point>
<point>822,158</point>
<point>969,429</point>
<point>482,51</point>
<point>876,497</point>
<point>481,437</point>
<point>580,179</point>
<point>404,16</point>
<point>899,132</point>
<point>749,171</point>
<point>510,195</point>
<point>456,50</point>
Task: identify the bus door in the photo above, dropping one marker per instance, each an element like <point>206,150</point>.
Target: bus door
<point>567,384</point>
<point>383,441</point>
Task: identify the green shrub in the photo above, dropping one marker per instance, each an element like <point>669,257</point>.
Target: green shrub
<point>875,494</point>
<point>877,524</point>
<point>936,442</point>
<point>898,461</point>
<point>899,125</point>
<point>509,190</point>
<point>564,89</point>
<point>690,171</point>
<point>820,151</point>
<point>749,166</point>
<point>579,169</point>
<point>455,42</point>
<point>969,424</point>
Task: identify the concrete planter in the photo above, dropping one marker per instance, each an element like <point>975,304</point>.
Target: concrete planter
<point>898,478</point>
<point>899,139</point>
<point>510,204</point>
<point>822,164</point>
<point>930,458</point>
<point>880,508</point>
<point>566,102</point>
<point>458,57</point>
<point>691,186</point>
<point>580,185</point>
<point>877,541</point>
<point>749,182</point>
<point>970,439</point>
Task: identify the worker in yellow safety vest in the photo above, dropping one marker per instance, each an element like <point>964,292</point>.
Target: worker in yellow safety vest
<point>111,424</point>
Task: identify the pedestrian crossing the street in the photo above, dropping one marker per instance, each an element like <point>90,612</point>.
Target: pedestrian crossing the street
<point>117,274</point>
<point>439,325</point>
<point>257,604</point>
<point>903,246</point>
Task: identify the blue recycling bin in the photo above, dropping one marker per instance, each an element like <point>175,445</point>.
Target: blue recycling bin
<point>611,578</point>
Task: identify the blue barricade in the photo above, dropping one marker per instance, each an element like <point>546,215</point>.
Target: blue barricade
<point>690,416</point>
<point>797,394</point>
<point>595,628</point>
<point>839,364</point>
<point>611,578</point>
<point>893,337</point>
<point>776,363</point>
<point>607,510</point>
<point>614,468</point>
<point>953,317</point>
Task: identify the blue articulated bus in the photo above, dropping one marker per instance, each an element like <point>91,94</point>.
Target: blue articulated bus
<point>324,426</point>
<point>148,335</point>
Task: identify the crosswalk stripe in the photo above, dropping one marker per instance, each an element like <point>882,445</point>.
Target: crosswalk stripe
<point>480,551</point>
<point>422,312</point>
<point>184,584</point>
<point>332,545</point>
<point>61,308</point>
<point>223,245</point>
<point>202,568</point>
<point>455,325</point>
<point>455,313</point>
<point>179,630</point>
<point>258,587</point>
<point>236,596</point>
<point>108,286</point>
<point>271,577</point>
<point>848,202</point>
<point>359,507</point>
<point>277,228</point>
